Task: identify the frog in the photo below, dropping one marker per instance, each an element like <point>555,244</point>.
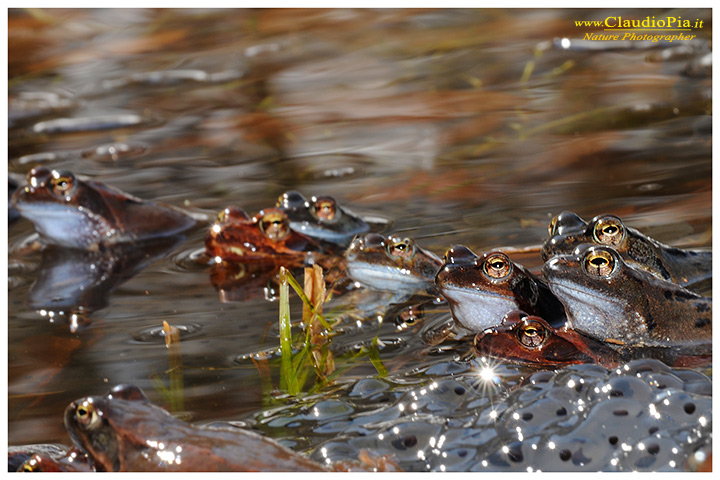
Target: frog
<point>684,267</point>
<point>84,214</point>
<point>481,290</point>
<point>265,237</point>
<point>626,307</point>
<point>530,339</point>
<point>391,263</point>
<point>124,431</point>
<point>321,218</point>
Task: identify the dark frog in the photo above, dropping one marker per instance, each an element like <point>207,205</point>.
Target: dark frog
<point>481,290</point>
<point>86,214</point>
<point>235,237</point>
<point>684,267</point>
<point>613,302</point>
<point>391,263</point>
<point>123,432</point>
<point>321,218</point>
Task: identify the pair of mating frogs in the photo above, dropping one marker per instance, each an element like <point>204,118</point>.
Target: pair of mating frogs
<point>606,293</point>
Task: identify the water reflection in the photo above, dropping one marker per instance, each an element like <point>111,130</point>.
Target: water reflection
<point>72,284</point>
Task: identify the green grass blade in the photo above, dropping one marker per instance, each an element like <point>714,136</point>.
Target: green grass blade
<point>374,355</point>
<point>299,290</point>
<point>288,379</point>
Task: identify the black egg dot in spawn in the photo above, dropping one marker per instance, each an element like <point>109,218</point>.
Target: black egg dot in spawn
<point>561,411</point>
<point>620,413</point>
<point>652,430</point>
<point>527,416</point>
<point>565,455</point>
<point>459,390</point>
<point>515,452</point>
<point>462,453</point>
<point>410,441</point>
<point>616,393</point>
<point>653,448</point>
<point>689,408</point>
<point>613,440</point>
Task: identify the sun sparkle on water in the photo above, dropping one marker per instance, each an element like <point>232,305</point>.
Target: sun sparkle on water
<point>487,373</point>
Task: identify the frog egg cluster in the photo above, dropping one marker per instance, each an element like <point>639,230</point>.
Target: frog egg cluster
<point>643,416</point>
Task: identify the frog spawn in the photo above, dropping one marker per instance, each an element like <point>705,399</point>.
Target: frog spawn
<point>643,416</point>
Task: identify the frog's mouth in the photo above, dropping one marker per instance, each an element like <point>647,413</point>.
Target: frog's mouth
<point>590,310</point>
<point>64,225</point>
<point>386,277</point>
<point>340,233</point>
<point>478,310</point>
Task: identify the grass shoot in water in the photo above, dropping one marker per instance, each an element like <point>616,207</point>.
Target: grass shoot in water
<point>315,355</point>
<point>174,394</point>
<point>294,368</point>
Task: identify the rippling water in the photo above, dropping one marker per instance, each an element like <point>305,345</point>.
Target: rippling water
<point>451,126</point>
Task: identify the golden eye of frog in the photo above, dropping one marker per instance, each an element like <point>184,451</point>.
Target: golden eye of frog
<point>321,218</point>
<point>235,237</point>
<point>123,431</point>
<point>530,339</point>
<point>85,214</point>
<point>391,263</point>
<point>684,267</point>
<point>481,290</point>
<point>611,301</point>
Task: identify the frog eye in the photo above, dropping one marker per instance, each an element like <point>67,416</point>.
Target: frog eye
<point>497,266</point>
<point>86,415</point>
<point>553,226</point>
<point>62,184</point>
<point>532,334</point>
<point>30,465</point>
<point>275,225</point>
<point>599,263</point>
<point>404,248</point>
<point>609,230</point>
<point>324,208</point>
<point>291,200</point>
<point>230,214</point>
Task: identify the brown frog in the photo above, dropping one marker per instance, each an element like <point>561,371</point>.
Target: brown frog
<point>530,339</point>
<point>481,290</point>
<point>623,306</point>
<point>391,263</point>
<point>235,237</point>
<point>321,218</point>
<point>85,214</point>
<point>123,431</point>
<point>684,267</point>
